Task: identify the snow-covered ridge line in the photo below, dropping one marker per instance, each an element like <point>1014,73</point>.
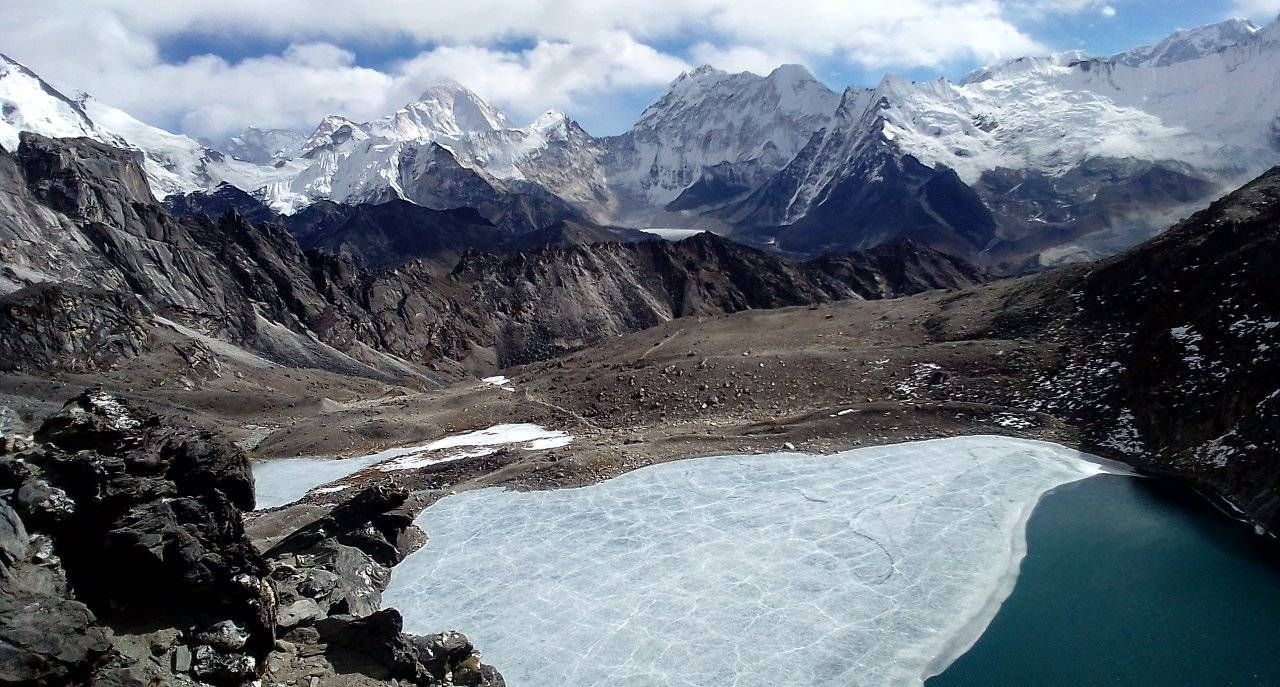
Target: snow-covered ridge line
<point>1204,97</point>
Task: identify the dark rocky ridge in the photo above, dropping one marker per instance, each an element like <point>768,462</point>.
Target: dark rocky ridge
<point>255,286</point>
<point>571,233</point>
<point>1203,300</point>
<point>396,232</point>
<point>558,299</point>
<point>124,561</point>
<point>1169,354</point>
<point>218,202</point>
<point>392,233</point>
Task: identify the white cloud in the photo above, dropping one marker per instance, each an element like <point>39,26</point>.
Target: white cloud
<point>548,75</point>
<point>1046,8</point>
<point>741,58</point>
<point>1265,10</point>
<point>571,51</point>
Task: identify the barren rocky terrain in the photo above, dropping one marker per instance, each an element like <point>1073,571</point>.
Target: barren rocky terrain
<point>1162,359</point>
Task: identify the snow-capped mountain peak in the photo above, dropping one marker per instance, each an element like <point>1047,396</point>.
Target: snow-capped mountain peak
<point>447,110</point>
<point>27,103</point>
<point>1025,65</point>
<point>552,124</point>
<point>708,117</point>
<point>1189,44</point>
<point>1198,109</point>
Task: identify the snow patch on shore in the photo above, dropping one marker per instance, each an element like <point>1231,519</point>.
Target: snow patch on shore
<point>284,480</point>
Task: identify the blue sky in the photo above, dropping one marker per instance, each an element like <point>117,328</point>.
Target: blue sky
<point>209,68</point>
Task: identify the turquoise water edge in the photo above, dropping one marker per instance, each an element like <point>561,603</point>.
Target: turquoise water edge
<point>1132,582</point>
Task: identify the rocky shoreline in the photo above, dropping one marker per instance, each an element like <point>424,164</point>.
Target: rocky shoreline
<point>124,560</point>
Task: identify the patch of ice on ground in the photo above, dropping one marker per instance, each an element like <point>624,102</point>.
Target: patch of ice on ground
<point>1012,421</point>
<point>497,381</point>
<point>548,443</point>
<point>332,490</point>
<point>500,434</point>
<point>422,460</point>
<point>871,567</point>
<point>285,480</point>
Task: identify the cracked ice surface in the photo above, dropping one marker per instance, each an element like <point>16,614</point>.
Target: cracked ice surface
<point>871,567</point>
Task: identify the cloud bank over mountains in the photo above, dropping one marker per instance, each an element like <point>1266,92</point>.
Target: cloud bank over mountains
<point>293,61</point>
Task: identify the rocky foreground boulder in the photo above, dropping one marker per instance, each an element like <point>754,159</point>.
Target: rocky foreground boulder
<point>124,561</point>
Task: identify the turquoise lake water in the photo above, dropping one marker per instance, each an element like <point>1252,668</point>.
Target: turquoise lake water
<point>1132,582</point>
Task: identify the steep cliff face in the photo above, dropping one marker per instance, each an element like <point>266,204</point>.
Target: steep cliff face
<point>78,214</point>
<point>1170,353</point>
<point>59,326</point>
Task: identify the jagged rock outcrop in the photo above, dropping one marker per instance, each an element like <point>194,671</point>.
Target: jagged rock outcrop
<point>133,525</point>
<point>341,563</point>
<point>376,645</point>
<point>124,561</point>
<point>73,328</point>
<point>329,575</point>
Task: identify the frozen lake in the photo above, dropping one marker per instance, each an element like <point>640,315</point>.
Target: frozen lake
<point>871,567</point>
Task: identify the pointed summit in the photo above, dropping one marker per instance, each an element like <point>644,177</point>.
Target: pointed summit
<point>446,110</point>
<point>28,103</point>
<point>792,74</point>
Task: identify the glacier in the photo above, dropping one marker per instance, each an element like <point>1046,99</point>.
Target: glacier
<point>876,566</point>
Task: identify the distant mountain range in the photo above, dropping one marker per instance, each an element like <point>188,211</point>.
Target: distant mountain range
<point>1030,163</point>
